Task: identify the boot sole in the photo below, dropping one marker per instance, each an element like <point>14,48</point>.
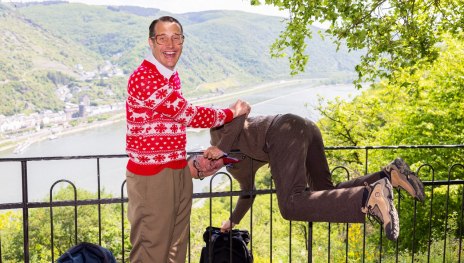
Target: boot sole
<point>387,201</point>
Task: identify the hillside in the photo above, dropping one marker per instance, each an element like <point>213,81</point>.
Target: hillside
<point>82,49</point>
<point>31,58</point>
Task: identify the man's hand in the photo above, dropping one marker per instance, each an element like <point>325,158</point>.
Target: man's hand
<point>213,153</point>
<point>239,108</point>
<point>227,226</point>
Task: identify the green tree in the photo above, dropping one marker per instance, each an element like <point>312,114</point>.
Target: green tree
<point>394,34</point>
<point>422,105</point>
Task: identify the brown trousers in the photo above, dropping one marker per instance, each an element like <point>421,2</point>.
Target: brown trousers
<point>297,159</point>
<point>159,214</point>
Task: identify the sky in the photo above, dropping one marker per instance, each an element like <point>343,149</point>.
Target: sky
<point>184,6</point>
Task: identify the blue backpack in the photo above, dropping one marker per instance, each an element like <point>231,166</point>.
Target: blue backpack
<point>87,253</point>
<point>217,248</point>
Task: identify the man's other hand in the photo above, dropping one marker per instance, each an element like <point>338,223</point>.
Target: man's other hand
<point>240,107</point>
<point>227,226</point>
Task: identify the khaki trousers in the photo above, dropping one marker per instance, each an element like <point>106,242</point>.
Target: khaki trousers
<point>159,214</point>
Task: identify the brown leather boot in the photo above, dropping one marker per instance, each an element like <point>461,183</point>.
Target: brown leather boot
<point>379,205</point>
<point>402,176</point>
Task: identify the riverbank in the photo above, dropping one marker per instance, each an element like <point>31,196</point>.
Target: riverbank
<point>19,144</point>
<point>230,97</point>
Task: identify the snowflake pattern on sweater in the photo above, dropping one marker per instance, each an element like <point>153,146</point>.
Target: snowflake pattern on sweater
<point>157,116</point>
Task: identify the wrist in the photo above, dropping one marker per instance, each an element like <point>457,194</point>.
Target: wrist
<point>230,115</point>
<point>234,113</point>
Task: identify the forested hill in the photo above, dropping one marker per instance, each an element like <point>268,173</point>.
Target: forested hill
<point>53,52</point>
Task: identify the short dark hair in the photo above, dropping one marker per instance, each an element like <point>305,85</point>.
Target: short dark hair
<point>151,28</point>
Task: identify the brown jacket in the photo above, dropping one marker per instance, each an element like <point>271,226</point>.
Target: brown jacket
<point>294,148</point>
<point>248,136</point>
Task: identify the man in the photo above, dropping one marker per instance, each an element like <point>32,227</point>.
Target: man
<point>159,185</point>
<point>294,149</point>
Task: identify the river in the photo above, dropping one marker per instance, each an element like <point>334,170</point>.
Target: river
<point>298,98</point>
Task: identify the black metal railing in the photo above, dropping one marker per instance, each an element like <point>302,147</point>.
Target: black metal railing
<point>437,244</point>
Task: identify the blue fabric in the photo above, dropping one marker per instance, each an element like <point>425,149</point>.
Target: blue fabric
<point>87,253</point>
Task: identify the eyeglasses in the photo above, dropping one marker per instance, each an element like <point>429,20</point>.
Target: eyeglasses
<point>163,39</point>
<point>196,166</point>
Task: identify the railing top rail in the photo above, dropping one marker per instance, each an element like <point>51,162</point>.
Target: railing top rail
<point>49,158</point>
<point>394,147</point>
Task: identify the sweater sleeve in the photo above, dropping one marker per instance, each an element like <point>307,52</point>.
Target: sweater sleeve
<point>152,92</point>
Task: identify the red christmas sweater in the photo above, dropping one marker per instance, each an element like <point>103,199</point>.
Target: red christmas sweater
<point>157,117</point>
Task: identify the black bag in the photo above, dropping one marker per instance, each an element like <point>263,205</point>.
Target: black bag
<point>87,253</point>
<point>219,243</point>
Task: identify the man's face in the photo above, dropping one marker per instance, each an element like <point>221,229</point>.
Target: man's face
<point>207,167</point>
<point>167,53</point>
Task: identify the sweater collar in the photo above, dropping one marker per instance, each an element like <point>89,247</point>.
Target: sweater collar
<point>167,73</point>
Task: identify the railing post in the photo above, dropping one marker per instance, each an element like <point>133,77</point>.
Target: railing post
<point>25,211</point>
<point>99,203</point>
<point>290,241</point>
<point>1,247</point>
<point>51,215</point>
<point>460,226</point>
<point>310,242</point>
<point>364,224</point>
<point>270,222</point>
<point>122,222</point>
